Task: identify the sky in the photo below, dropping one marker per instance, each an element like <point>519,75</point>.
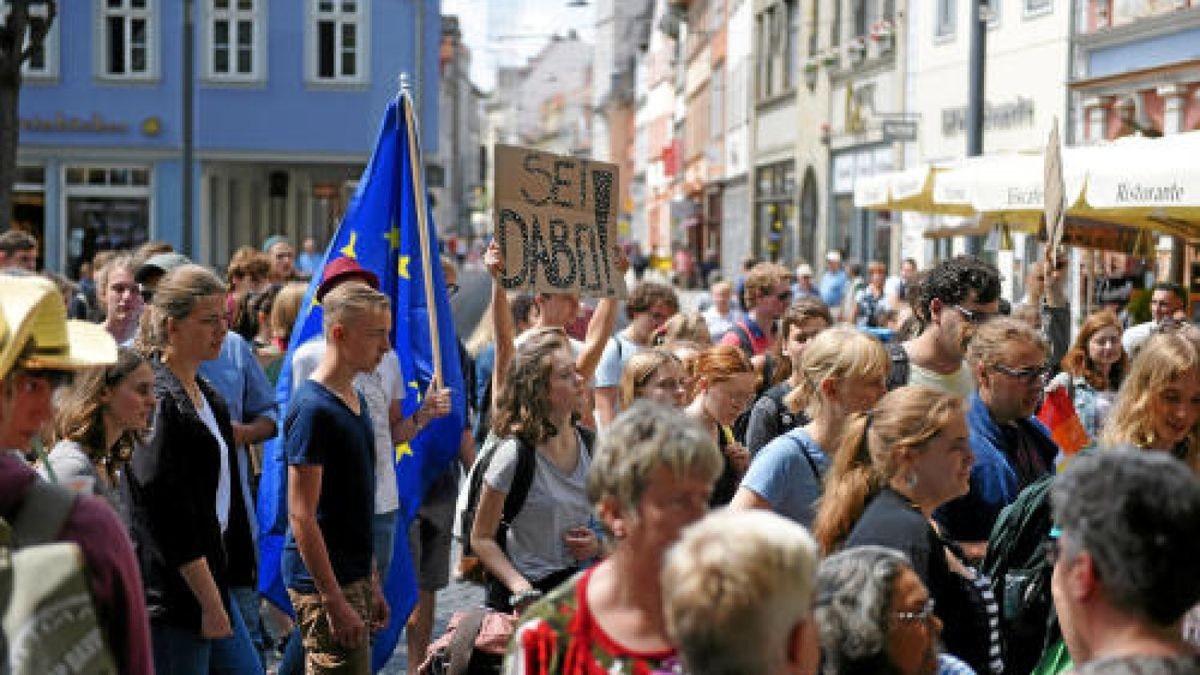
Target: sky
<point>508,32</point>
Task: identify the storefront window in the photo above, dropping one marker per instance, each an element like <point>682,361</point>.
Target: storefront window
<point>107,208</point>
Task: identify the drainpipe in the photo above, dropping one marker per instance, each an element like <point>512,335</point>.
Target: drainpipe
<point>189,82</point>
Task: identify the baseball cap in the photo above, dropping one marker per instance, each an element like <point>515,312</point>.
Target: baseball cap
<point>833,256</point>
<point>159,263</point>
<point>344,269</point>
<point>804,270</point>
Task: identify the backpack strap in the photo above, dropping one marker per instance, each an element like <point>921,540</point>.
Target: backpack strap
<point>743,336</point>
<point>42,514</point>
<point>518,492</point>
<point>812,463</point>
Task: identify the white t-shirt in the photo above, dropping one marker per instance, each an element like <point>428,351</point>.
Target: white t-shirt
<point>556,503</point>
<point>959,382</point>
<point>223,484</point>
<point>379,387</point>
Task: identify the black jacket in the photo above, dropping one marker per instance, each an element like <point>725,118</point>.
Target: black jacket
<point>171,486</point>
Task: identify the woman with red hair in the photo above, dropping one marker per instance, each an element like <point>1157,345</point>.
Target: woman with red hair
<point>1093,368</point>
<point>724,388</point>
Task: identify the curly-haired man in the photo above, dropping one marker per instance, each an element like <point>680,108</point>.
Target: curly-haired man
<point>955,296</point>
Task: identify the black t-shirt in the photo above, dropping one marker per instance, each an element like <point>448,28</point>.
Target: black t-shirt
<point>320,430</point>
<point>892,521</point>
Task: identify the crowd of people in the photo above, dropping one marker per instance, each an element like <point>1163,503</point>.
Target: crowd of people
<point>809,475</point>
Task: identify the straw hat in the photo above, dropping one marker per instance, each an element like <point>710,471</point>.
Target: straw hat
<point>35,333</point>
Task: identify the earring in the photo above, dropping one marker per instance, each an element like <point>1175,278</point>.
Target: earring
<point>910,481</point>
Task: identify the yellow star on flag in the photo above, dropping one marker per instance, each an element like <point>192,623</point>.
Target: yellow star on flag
<point>417,388</point>
<point>402,267</point>
<point>403,450</point>
<point>393,237</point>
<point>348,249</point>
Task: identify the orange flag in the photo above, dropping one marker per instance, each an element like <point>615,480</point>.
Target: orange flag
<point>1058,414</point>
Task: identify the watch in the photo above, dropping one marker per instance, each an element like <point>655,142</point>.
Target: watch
<point>517,599</point>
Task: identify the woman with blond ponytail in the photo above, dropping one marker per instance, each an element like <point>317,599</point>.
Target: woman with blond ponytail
<point>842,371</point>
<point>895,465</point>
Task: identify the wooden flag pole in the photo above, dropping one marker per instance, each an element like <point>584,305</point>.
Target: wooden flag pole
<point>423,232</point>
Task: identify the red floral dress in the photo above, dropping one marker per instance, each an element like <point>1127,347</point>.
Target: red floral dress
<point>559,635</point>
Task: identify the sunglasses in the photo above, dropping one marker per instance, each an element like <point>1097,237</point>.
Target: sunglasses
<point>975,317</point>
<point>1026,375</point>
<point>452,290</point>
<point>784,296</point>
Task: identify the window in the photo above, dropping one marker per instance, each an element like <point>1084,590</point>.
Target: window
<point>947,16</point>
<point>1038,7</point>
<point>128,39</point>
<point>990,10</point>
<point>859,18</point>
<point>233,39</point>
<point>337,40</point>
<point>43,62</point>
<point>835,28</point>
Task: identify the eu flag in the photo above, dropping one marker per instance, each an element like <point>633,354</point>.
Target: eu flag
<point>381,231</point>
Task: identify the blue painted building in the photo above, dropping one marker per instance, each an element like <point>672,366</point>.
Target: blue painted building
<point>287,98</point>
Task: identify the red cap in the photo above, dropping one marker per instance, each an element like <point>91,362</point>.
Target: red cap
<point>344,269</point>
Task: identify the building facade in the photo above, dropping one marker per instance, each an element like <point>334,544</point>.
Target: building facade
<point>455,173</point>
<point>286,98</point>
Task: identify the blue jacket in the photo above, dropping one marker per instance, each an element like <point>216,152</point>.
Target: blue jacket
<point>998,475</point>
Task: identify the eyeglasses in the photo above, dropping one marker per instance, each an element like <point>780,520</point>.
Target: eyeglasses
<point>452,290</point>
<point>1027,375</point>
<point>784,296</point>
<point>922,616</point>
<point>975,317</point>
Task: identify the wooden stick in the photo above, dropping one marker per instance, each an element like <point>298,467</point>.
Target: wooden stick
<point>415,162</point>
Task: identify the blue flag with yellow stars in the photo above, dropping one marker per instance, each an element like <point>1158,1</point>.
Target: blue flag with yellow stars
<point>381,231</point>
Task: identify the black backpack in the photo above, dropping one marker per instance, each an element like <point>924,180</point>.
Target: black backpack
<point>471,568</point>
<point>1019,568</point>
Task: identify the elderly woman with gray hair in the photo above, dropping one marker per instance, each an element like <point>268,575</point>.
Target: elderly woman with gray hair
<point>875,616</point>
<point>652,474</point>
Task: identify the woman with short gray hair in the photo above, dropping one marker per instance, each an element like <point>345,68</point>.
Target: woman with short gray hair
<point>875,616</point>
<point>652,475</point>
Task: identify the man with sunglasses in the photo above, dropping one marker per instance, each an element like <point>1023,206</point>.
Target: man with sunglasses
<point>954,299</point>
<point>768,294</point>
<point>1125,562</point>
<point>1012,448</point>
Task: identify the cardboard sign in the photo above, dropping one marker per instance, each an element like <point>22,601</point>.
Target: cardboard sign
<point>1054,195</point>
<point>555,221</point>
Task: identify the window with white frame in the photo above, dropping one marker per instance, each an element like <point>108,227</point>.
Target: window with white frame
<point>234,41</point>
<point>43,61</point>
<point>128,38</point>
<point>946,18</point>
<point>337,41</point>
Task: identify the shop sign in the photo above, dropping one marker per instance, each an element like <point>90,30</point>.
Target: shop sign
<point>63,123</point>
<point>899,130</point>
<point>1010,115</point>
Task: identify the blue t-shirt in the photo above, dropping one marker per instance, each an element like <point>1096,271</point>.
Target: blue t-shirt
<point>782,473</point>
<point>321,430</point>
